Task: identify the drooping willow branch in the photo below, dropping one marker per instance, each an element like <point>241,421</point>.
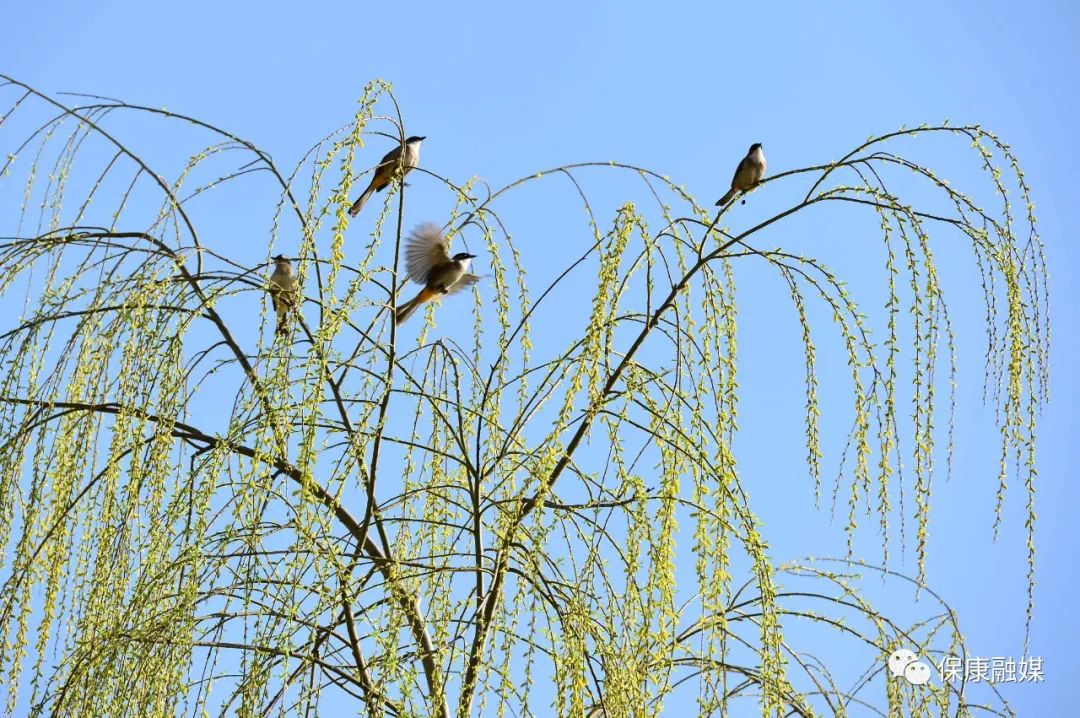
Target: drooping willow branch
<point>488,516</point>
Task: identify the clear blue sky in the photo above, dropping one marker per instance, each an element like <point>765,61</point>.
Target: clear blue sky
<point>504,89</point>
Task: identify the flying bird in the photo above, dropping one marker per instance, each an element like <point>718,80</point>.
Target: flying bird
<point>428,262</point>
<point>283,291</point>
<point>747,175</point>
<point>387,168</point>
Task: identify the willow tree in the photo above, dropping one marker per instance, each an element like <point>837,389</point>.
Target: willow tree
<point>198,517</point>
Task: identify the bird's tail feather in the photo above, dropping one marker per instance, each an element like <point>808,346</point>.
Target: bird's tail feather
<point>406,310</point>
<point>726,198</point>
<point>359,203</point>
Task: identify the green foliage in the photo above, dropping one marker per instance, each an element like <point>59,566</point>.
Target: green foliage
<point>466,527</point>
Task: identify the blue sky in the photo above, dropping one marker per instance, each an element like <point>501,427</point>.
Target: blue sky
<point>502,90</point>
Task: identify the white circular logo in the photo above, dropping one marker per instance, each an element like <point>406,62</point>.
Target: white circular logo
<point>917,673</point>
<point>899,660</point>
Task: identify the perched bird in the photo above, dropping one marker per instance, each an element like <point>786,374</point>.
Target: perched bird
<point>387,167</point>
<point>428,262</point>
<point>747,175</point>
<point>283,291</point>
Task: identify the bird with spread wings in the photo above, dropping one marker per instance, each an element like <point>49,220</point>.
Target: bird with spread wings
<point>428,261</point>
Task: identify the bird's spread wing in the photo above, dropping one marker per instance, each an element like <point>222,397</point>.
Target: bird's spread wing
<point>466,281</point>
<point>426,248</point>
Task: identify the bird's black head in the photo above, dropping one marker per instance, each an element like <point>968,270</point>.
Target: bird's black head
<point>281,258</point>
<point>414,138</point>
<point>463,255</point>
<point>755,146</point>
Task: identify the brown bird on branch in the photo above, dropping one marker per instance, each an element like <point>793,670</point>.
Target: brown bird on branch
<point>283,291</point>
<point>428,262</point>
<point>387,168</point>
<point>747,175</point>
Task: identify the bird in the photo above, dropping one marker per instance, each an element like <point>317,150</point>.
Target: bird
<point>283,291</point>
<point>387,167</point>
<point>428,262</point>
<point>747,175</point>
